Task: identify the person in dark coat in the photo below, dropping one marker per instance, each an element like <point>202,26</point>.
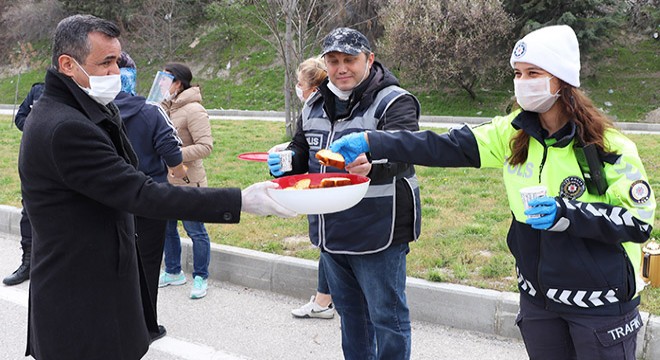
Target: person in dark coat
<point>157,146</point>
<point>88,298</point>
<point>23,272</point>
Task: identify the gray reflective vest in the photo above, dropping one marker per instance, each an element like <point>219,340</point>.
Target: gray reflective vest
<point>368,227</point>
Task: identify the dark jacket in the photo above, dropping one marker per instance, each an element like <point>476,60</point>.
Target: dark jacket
<point>35,92</point>
<point>152,135</point>
<point>80,187</point>
<point>372,220</point>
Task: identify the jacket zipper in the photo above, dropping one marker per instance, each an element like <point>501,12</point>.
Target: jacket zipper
<point>323,170</point>
<point>540,233</point>
<point>545,155</point>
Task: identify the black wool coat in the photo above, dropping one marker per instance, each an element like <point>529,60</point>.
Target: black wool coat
<point>81,190</point>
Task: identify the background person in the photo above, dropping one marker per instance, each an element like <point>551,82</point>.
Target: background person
<point>157,147</point>
<point>577,250</point>
<point>81,189</point>
<point>23,272</point>
<point>364,248</point>
<point>184,107</point>
<point>311,74</point>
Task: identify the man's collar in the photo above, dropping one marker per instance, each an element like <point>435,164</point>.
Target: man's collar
<point>59,85</point>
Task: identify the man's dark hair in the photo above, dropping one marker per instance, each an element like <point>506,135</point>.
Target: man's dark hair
<point>71,36</point>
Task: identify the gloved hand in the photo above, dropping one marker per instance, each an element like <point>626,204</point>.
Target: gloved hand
<point>256,201</point>
<point>544,206</point>
<point>351,146</point>
<point>275,163</point>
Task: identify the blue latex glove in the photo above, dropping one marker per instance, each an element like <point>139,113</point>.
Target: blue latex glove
<point>544,206</point>
<point>275,164</point>
<point>350,146</point>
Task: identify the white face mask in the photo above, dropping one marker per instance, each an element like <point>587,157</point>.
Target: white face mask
<point>534,94</point>
<point>299,93</point>
<point>345,94</point>
<point>103,89</point>
<point>169,96</point>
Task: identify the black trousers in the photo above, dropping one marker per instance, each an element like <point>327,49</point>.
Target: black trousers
<point>150,241</point>
<point>26,230</point>
<point>550,335</point>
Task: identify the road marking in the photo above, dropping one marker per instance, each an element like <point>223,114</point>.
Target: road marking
<point>191,351</point>
<point>14,295</point>
<point>181,348</point>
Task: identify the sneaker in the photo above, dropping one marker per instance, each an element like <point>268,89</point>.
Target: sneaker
<point>199,288</point>
<point>314,310</point>
<point>171,279</point>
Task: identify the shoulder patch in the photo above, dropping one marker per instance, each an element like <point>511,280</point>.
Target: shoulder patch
<point>572,188</point>
<point>640,191</point>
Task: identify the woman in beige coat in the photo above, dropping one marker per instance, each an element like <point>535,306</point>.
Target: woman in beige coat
<point>192,123</point>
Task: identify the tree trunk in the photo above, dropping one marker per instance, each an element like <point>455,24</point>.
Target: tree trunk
<point>468,87</point>
<point>289,64</point>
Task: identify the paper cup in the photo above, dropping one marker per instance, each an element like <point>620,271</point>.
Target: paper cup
<point>530,193</point>
<point>286,156</point>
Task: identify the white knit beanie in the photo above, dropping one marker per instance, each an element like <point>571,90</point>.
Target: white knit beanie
<point>554,49</point>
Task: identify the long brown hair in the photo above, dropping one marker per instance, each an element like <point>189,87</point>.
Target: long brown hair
<point>590,123</point>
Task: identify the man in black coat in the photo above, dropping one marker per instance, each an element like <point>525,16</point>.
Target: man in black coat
<point>81,189</point>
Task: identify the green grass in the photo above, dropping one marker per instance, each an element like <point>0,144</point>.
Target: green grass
<point>628,77</point>
<point>465,212</point>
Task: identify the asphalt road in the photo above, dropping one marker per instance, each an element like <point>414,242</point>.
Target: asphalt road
<point>234,322</point>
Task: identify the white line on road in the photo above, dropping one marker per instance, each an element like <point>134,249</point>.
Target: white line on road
<point>14,295</point>
<point>190,351</point>
<point>171,345</point>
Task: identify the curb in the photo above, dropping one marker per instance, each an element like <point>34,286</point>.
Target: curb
<point>458,306</point>
<point>443,121</point>
<point>433,119</point>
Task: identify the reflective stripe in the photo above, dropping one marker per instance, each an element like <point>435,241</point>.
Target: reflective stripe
<point>525,284</point>
<point>375,191</point>
<point>594,298</point>
<point>582,298</point>
<point>388,189</point>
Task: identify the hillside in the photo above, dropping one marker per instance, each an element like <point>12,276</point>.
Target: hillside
<point>238,69</point>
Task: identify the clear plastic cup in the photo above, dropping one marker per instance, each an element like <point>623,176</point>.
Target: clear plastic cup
<point>286,157</point>
<point>530,193</point>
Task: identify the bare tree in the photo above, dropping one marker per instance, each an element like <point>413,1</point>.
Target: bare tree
<point>27,21</point>
<point>296,27</point>
<point>23,57</point>
<point>440,42</point>
<point>161,26</point>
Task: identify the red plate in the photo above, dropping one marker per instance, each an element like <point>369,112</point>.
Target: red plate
<point>254,156</point>
<point>287,181</point>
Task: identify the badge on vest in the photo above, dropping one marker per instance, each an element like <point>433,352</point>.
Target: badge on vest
<point>640,191</point>
<point>572,188</point>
